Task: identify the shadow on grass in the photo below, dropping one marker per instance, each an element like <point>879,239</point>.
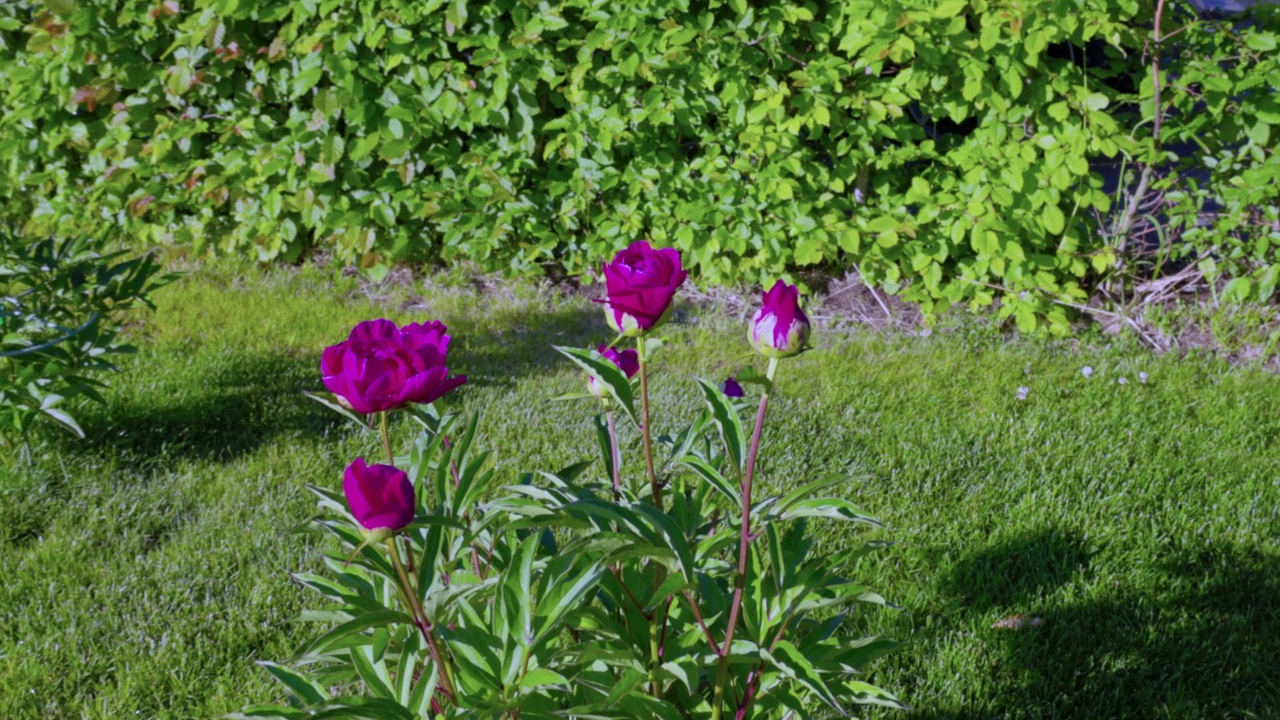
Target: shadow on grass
<point>215,403</point>
<point>522,345</point>
<point>216,408</point>
<point>1198,639</point>
<point>1012,572</point>
<point>218,404</point>
<point>207,406</point>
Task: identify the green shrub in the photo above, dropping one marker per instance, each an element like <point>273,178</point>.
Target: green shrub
<point>943,147</point>
<point>63,306</point>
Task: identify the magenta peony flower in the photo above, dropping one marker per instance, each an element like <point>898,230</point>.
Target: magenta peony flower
<point>380,496</point>
<point>780,328</point>
<point>732,388</point>
<point>628,361</point>
<point>383,367</point>
<point>641,282</point>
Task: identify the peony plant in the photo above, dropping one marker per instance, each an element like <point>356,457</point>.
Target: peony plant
<point>585,592</point>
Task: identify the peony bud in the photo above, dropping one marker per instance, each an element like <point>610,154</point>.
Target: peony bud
<point>641,283</point>
<point>780,328</point>
<point>381,498</point>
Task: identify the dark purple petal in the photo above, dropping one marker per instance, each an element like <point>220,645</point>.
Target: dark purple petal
<point>381,367</point>
<point>628,361</point>
<point>782,301</point>
<point>352,488</point>
<point>641,282</point>
<point>341,386</point>
<point>732,388</point>
<point>421,388</point>
<point>375,330</point>
<point>331,359</point>
<point>380,496</point>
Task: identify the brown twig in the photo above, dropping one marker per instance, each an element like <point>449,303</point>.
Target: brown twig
<point>1125,223</point>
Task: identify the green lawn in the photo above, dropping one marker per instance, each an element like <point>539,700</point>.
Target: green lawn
<point>144,570</point>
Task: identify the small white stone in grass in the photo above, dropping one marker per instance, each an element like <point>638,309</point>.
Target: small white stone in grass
<point>1086,371</point>
<point>1023,392</point>
<point>1123,381</point>
<point>1142,378</point>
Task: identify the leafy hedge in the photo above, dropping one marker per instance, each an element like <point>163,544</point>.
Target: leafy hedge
<point>942,146</point>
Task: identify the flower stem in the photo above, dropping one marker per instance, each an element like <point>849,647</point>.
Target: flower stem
<point>420,619</point>
<point>744,548</point>
<point>615,455</point>
<point>655,659</point>
<point>645,433</point>
<point>386,439</point>
<point>655,649</point>
<point>688,596</point>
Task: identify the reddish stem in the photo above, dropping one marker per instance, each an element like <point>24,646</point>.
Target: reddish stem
<point>744,546</point>
<point>698,614</point>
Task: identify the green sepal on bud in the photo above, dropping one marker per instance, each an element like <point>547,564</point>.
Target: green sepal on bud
<point>371,537</point>
<point>627,325</point>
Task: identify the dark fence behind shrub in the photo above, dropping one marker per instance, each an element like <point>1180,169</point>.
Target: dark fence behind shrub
<point>955,151</point>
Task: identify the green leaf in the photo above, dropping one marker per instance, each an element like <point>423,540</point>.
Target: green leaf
<point>306,80</point>
<point>675,539</point>
<point>361,709</point>
<point>808,490</point>
<point>384,215</point>
<point>1054,221</point>
<point>605,441</point>
<point>833,508</point>
<point>374,675</point>
<point>950,8</point>
<point>1260,41</point>
<point>727,421</point>
<point>64,419</point>
<point>630,680</point>
<point>307,691</point>
<point>752,376</point>
<point>565,595</point>
<point>542,677</point>
<point>429,559</point>
<point>867,694</point>
<point>406,668</point>
<point>1259,133</point>
<point>713,477</point>
<point>456,13</point>
<point>330,400</point>
<point>793,664</point>
<point>607,375</point>
<point>376,619</point>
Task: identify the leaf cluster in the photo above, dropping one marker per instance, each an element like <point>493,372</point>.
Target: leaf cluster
<point>62,305</point>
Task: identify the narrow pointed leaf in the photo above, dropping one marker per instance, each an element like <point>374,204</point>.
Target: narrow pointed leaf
<point>609,377</point>
<point>727,421</point>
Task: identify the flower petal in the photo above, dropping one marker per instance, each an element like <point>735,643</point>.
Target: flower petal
<point>375,330</point>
